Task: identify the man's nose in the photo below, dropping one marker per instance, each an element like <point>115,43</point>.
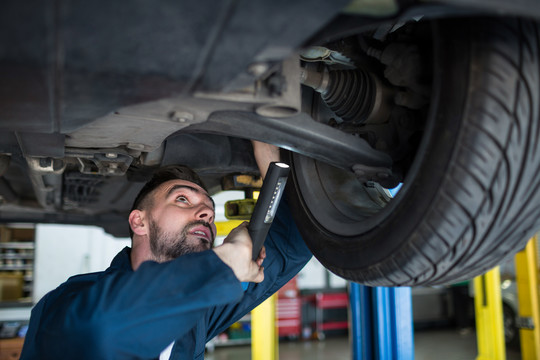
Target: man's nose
<point>205,213</point>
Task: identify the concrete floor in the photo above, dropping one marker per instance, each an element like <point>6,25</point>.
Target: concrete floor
<point>440,344</point>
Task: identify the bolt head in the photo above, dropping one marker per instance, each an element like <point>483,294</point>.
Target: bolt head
<point>181,116</point>
<point>258,69</point>
<point>137,147</point>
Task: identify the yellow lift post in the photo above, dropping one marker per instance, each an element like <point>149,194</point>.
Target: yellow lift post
<point>264,337</point>
<point>529,307</point>
<point>489,316</point>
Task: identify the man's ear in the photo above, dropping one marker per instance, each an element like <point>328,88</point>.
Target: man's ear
<point>137,223</point>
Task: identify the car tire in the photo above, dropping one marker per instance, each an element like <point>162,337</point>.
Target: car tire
<point>471,197</point>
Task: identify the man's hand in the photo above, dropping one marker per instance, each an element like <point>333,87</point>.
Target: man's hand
<point>236,253</point>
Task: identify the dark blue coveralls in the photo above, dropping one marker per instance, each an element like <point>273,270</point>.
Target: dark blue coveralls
<point>125,314</point>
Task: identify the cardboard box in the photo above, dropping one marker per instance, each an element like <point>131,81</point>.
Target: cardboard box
<point>11,286</point>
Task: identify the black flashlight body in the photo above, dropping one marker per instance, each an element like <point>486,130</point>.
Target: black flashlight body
<point>267,204</point>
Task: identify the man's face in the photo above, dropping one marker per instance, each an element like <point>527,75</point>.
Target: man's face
<point>181,220</point>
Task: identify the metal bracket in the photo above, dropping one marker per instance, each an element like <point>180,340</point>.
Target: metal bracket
<point>329,57</point>
<point>46,165</point>
<point>526,323</point>
<point>380,175</point>
<point>104,162</point>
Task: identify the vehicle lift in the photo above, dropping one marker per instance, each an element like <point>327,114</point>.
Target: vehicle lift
<point>382,323</point>
<point>527,279</point>
<point>489,316</point>
<point>488,308</point>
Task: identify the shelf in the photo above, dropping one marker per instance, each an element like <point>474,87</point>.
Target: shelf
<point>17,245</point>
<point>16,267</point>
<point>16,256</point>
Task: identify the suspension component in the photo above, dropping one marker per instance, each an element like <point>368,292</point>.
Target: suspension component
<point>354,95</point>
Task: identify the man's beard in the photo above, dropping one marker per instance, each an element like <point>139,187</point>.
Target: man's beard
<point>167,246</point>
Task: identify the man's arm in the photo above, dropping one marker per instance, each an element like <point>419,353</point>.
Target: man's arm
<point>264,155</point>
<point>126,314</point>
<point>238,244</point>
<point>285,254</point>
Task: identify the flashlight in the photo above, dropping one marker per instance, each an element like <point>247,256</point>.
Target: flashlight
<point>267,204</point>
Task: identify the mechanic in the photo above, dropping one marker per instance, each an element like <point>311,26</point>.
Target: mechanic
<point>171,292</point>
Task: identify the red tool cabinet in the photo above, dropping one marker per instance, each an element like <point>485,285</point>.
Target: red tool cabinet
<point>289,311</point>
<point>325,301</point>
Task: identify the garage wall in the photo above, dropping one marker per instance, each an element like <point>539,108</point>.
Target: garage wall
<point>64,250</point>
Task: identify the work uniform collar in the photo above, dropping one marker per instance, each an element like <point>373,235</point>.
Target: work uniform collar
<point>122,260</point>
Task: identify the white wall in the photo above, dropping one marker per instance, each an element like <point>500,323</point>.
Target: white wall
<point>312,276</point>
<point>66,250</point>
<point>315,276</point>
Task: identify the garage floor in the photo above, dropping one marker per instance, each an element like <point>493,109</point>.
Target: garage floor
<point>440,344</point>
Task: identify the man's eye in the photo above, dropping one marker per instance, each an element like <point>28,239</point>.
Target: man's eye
<point>182,198</point>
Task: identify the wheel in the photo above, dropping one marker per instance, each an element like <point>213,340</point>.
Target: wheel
<point>470,197</point>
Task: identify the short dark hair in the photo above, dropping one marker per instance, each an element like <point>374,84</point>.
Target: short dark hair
<point>162,175</point>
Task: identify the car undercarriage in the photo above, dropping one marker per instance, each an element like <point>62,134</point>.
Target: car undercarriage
<point>360,96</point>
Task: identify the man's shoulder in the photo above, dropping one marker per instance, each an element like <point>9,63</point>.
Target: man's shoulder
<point>77,282</point>
<point>86,277</point>
<point>119,263</point>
